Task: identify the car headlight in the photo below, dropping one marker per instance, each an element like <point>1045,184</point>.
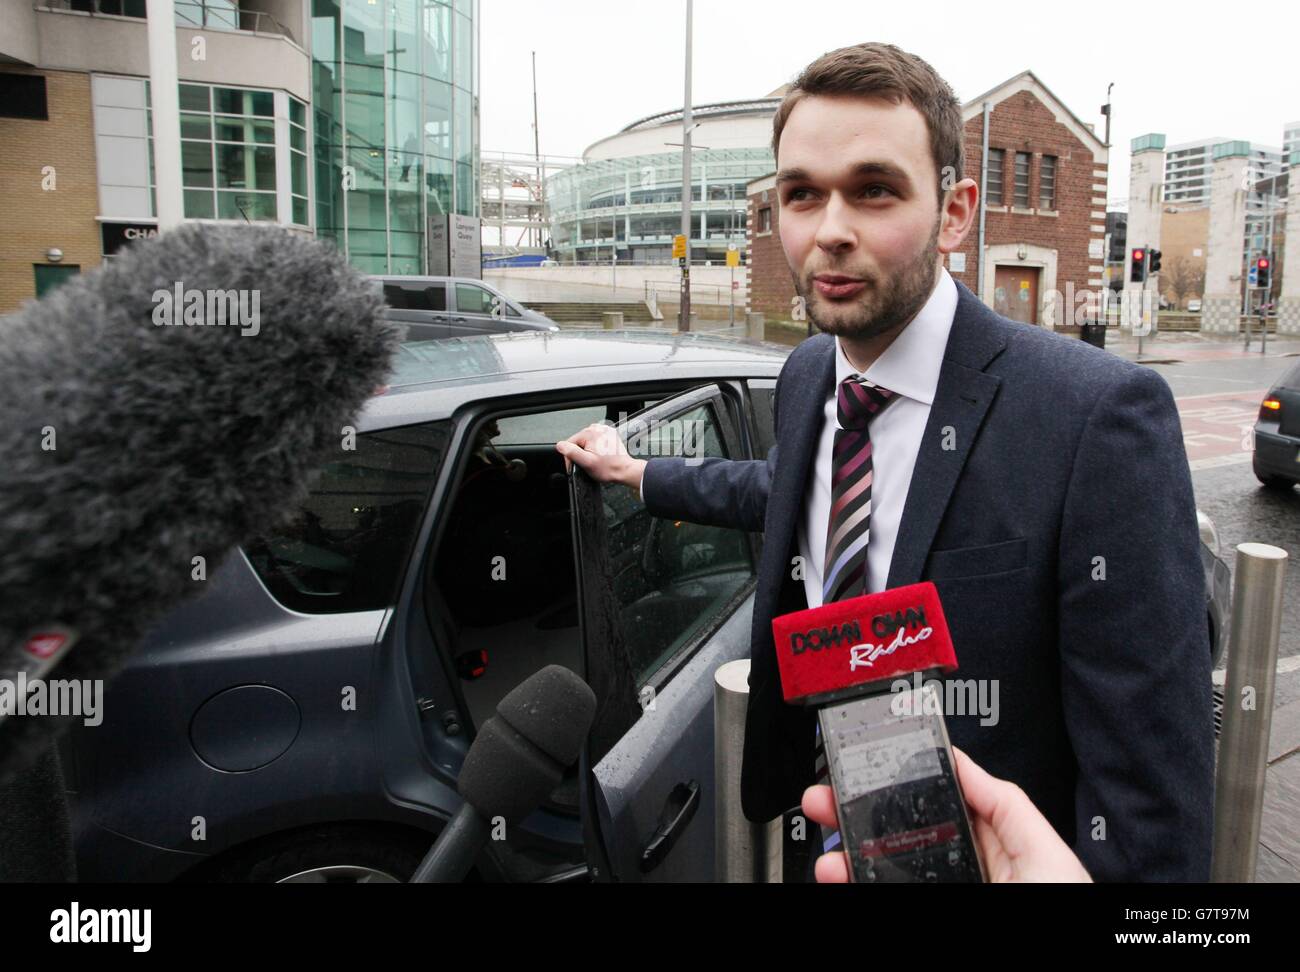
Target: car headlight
<point>1208,533</point>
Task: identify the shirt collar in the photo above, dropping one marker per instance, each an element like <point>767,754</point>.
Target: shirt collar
<point>910,365</point>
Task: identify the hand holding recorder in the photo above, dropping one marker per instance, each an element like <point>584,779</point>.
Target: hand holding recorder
<point>1016,842</point>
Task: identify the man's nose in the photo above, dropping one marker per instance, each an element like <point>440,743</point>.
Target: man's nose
<point>835,233</point>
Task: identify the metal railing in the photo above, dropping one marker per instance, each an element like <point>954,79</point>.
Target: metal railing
<point>248,21</point>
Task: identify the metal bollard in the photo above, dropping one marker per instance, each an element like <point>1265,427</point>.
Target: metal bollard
<point>746,853</point>
<point>1243,740</point>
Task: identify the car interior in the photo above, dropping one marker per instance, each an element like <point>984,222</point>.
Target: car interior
<point>503,582</point>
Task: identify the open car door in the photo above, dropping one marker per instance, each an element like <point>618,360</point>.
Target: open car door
<point>663,603</point>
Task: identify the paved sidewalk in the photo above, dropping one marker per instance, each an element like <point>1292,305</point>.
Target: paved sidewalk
<point>1279,833</point>
<point>1190,346</point>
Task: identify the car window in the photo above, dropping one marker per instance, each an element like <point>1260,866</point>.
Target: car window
<point>473,300</point>
<point>760,396</point>
<point>671,578</point>
<point>546,427</point>
<point>346,547</point>
<point>416,295</point>
<point>1291,379</point>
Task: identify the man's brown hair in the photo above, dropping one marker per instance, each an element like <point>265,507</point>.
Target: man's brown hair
<point>885,71</point>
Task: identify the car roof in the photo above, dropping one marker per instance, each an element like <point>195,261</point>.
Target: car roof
<point>432,379</point>
<point>412,278</point>
<point>1290,379</point>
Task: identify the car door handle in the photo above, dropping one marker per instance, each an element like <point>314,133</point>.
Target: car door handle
<point>678,810</point>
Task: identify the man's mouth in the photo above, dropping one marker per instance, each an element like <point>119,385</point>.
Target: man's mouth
<point>837,285</point>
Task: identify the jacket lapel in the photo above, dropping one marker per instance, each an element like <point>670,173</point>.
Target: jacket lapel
<point>961,401</point>
<point>800,406</point>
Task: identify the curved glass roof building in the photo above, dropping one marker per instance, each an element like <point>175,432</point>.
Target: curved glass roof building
<point>625,197</point>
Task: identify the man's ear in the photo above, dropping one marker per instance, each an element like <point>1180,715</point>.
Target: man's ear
<point>957,214</point>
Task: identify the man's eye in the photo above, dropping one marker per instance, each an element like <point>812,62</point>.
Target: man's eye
<point>876,191</point>
<point>794,195</point>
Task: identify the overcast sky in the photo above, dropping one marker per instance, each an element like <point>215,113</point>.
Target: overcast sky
<point>1190,73</point>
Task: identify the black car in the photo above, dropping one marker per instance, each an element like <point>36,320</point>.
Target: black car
<point>305,718</point>
<point>442,307</point>
<point>1277,433</point>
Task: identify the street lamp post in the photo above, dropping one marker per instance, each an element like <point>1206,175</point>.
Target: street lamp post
<point>684,303</point>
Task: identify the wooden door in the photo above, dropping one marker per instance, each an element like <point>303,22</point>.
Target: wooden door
<point>1015,292</point>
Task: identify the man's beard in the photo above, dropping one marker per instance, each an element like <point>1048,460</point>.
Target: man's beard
<point>884,305</point>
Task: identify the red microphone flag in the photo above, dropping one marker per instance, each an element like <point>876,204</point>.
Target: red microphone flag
<point>854,643</point>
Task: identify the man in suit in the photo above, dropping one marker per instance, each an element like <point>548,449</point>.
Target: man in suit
<point>1039,482</point>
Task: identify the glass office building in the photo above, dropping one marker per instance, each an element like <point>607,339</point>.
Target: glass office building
<point>353,120</point>
<point>395,124</point>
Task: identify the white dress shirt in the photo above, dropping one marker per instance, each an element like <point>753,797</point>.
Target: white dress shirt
<point>909,367</point>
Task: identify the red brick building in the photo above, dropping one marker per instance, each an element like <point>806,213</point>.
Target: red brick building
<point>1044,221</point>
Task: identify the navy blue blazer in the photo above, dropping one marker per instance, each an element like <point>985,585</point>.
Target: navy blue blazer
<point>1051,504</point>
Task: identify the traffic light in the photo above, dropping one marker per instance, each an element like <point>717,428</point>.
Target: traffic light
<point>1153,261</point>
<point>1261,273</point>
<point>1138,272</point>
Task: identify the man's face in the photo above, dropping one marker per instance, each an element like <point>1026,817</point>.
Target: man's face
<point>859,217</point>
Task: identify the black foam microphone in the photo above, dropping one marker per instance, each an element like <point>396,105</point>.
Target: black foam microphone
<point>516,761</point>
<point>162,408</point>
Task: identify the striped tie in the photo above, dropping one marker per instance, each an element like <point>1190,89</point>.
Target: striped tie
<point>848,529</point>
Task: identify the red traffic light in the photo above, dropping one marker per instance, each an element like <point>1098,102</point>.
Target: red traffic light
<point>1263,263</point>
<point>1139,255</point>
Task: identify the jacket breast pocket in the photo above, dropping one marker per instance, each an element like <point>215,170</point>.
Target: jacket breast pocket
<point>980,561</point>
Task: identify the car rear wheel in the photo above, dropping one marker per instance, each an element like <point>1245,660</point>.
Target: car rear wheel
<point>343,854</point>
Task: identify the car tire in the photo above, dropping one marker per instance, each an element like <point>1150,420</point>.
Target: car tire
<point>330,854</point>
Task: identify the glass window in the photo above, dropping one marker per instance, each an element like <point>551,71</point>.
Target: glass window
<point>1022,180</point>
<point>298,161</point>
<point>760,397</point>
<point>546,427</point>
<point>464,53</point>
<point>196,164</point>
<point>416,295</point>
<point>466,194</point>
<point>765,219</point>
<point>228,156</point>
<point>673,577</point>
<point>437,40</point>
<point>403,23</point>
<point>245,130</point>
<point>245,206</point>
<point>473,300</point>
<point>993,191</point>
<point>238,101</point>
<point>195,97</point>
<point>199,204</point>
<point>1047,183</point>
<point>196,126</point>
<point>347,546</point>
<point>245,167</point>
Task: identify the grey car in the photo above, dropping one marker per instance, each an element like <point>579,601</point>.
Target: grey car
<point>1276,460</point>
<point>441,307</point>
<point>305,718</point>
